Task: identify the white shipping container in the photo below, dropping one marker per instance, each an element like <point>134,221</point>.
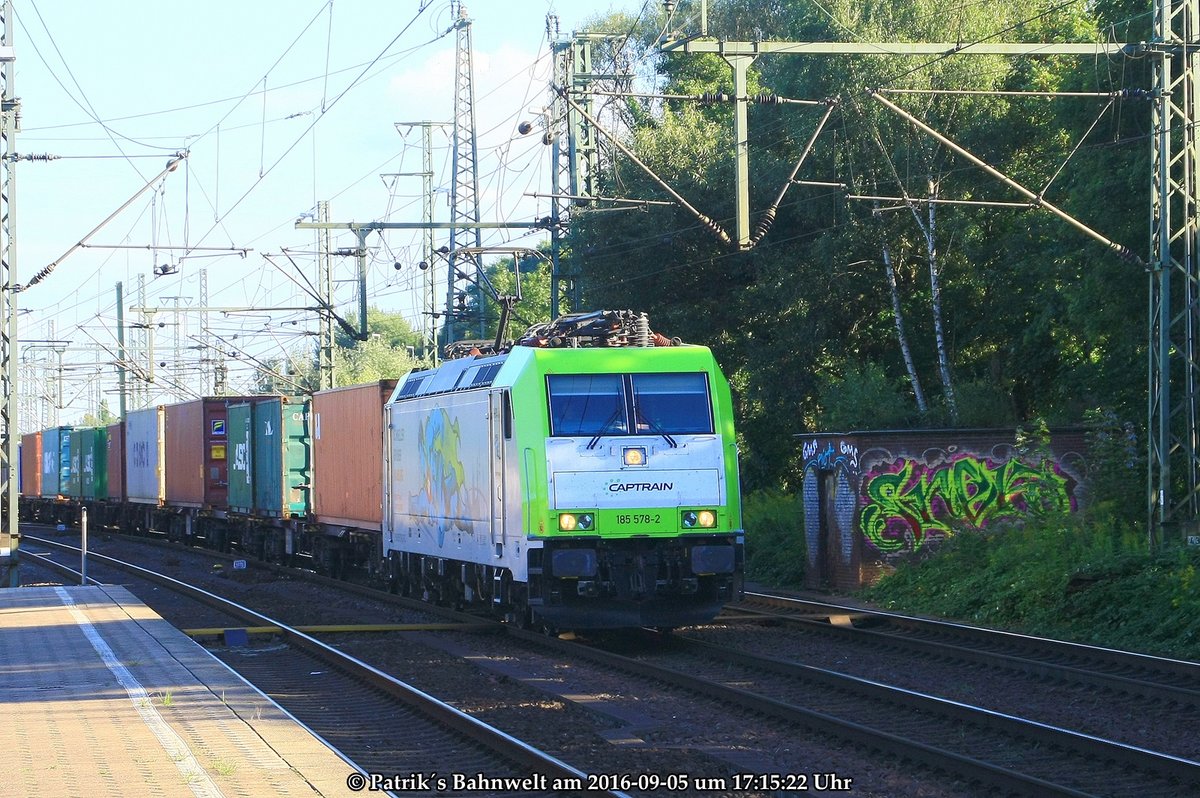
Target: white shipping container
<point>144,474</point>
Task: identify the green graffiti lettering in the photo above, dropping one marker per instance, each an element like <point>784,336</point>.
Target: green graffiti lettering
<point>906,501</point>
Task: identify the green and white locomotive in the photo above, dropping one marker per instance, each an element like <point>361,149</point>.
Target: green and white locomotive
<point>586,478</point>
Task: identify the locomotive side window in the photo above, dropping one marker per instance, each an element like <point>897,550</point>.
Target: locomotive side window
<point>587,404</point>
<point>674,404</point>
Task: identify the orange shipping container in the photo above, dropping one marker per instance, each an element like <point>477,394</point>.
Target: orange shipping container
<point>347,432</point>
<point>31,464</point>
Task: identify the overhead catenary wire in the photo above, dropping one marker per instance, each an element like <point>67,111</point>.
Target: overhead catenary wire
<point>505,173</point>
<point>47,270</point>
<point>311,125</point>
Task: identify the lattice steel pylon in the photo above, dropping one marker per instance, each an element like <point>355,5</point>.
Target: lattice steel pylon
<point>9,431</point>
<point>1173,481</point>
<point>560,163</point>
<point>464,191</point>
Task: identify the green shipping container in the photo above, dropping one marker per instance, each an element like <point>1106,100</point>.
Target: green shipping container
<point>56,468</point>
<point>241,470</point>
<point>281,458</point>
<point>91,467</point>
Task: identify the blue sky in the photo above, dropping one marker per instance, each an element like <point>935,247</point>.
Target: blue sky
<point>280,104</point>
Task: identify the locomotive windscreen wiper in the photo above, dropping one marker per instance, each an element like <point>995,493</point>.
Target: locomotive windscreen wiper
<point>619,413</point>
<point>640,418</point>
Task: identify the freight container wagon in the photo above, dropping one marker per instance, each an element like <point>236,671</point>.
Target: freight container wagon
<point>283,462</point>
<point>241,463</point>
<point>56,462</point>
<point>269,467</point>
<point>270,475</point>
<point>89,459</point>
<point>31,466</point>
<point>347,495</point>
<point>144,477</point>
<point>195,464</point>
<point>53,480</point>
<point>115,467</point>
<point>195,447</point>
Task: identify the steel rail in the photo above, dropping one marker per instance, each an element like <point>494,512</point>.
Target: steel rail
<point>477,622</point>
<point>1165,765</point>
<point>1175,679</point>
<point>971,768</point>
<point>504,744</point>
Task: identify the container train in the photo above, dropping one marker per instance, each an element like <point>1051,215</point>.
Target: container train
<point>585,477</point>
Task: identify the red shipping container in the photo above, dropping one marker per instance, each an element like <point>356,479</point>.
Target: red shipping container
<point>347,436</point>
<point>196,451</point>
<point>31,464</point>
<point>116,462</point>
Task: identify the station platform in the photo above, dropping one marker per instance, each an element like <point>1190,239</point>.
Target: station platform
<point>99,696</point>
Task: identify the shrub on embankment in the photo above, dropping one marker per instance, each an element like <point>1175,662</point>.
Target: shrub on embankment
<point>775,551</point>
<point>1086,579</point>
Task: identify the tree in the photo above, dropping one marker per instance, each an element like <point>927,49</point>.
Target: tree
<point>102,418</point>
<point>1018,315</point>
<point>392,329</point>
<point>501,276</point>
<point>388,352</point>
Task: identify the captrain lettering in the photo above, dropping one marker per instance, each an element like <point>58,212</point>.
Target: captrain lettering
<point>619,487</point>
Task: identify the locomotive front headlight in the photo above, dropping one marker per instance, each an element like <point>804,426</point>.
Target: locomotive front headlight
<point>702,519</point>
<point>586,521</point>
<point>567,522</point>
<point>634,455</point>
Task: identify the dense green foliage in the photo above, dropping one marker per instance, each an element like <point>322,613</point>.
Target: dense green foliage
<point>1036,319</point>
<point>101,418</point>
<point>1077,578</point>
<point>775,553</point>
<point>388,352</point>
<point>481,319</point>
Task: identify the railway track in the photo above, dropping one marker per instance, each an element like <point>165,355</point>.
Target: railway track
<point>975,746</point>
<point>1162,681</point>
<point>1149,676</point>
<point>378,722</point>
<point>980,746</point>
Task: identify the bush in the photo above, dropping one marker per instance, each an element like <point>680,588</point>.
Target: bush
<point>775,550</point>
<point>862,397</point>
<point>1116,481</point>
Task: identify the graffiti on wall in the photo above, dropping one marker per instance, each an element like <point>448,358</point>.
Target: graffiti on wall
<point>905,502</point>
<point>830,505</point>
<point>844,455</point>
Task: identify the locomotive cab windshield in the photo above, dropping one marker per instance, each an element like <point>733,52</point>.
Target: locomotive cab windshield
<point>629,404</point>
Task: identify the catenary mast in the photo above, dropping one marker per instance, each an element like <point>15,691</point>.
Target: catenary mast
<point>10,109</point>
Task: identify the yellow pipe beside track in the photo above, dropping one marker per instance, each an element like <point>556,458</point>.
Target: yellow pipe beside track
<point>366,627</point>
